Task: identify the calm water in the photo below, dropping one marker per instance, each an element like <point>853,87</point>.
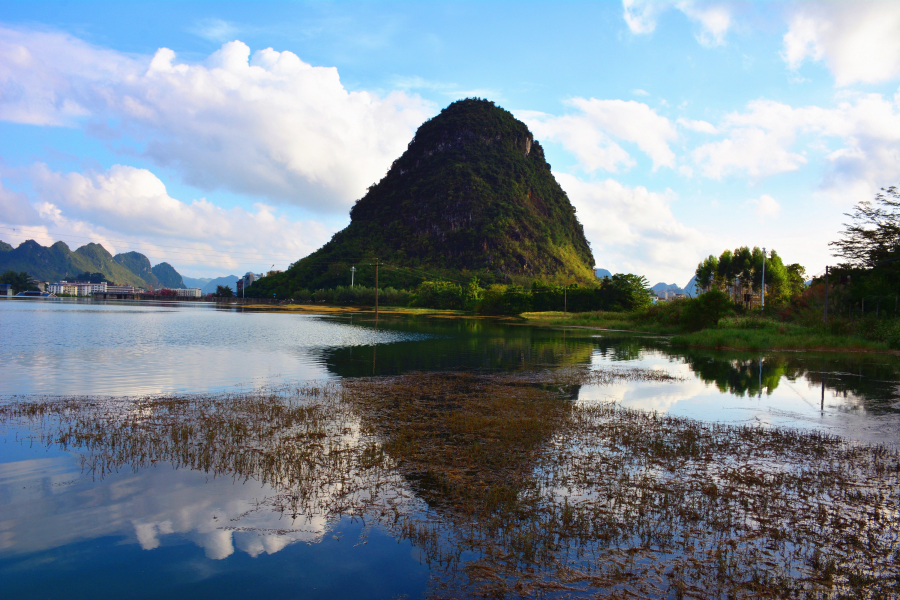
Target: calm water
<point>160,531</point>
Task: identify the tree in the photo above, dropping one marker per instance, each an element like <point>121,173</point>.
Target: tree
<point>706,272</point>
<point>92,277</point>
<point>20,281</point>
<point>873,234</point>
<point>223,291</point>
<point>744,267</point>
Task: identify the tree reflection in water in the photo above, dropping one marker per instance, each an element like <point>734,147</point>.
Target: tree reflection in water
<point>510,488</point>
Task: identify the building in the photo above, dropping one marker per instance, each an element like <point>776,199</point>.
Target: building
<point>120,289</point>
<point>5,290</point>
<point>246,281</point>
<point>188,293</point>
<point>76,288</point>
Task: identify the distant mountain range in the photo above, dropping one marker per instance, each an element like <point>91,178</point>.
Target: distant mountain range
<point>688,290</point>
<point>58,262</point>
<point>208,286</point>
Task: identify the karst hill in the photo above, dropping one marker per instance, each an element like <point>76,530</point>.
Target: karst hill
<point>472,195</point>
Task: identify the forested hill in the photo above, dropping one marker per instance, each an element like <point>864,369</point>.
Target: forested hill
<point>58,262</point>
<point>472,195</point>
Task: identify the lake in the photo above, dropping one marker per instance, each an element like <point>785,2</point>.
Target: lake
<point>145,532</point>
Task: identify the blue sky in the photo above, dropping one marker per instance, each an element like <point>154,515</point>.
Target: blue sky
<point>227,137</point>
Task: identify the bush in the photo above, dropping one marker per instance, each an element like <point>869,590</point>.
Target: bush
<point>504,300</point>
<point>438,294</point>
<point>706,310</point>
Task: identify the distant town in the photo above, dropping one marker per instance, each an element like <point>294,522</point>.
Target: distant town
<point>104,290</point>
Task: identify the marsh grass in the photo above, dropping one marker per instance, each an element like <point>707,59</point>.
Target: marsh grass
<point>761,333</point>
<point>510,488</point>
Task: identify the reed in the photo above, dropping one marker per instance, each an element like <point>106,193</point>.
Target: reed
<point>512,489</point>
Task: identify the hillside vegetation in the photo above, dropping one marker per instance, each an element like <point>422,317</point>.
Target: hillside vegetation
<point>472,196</point>
<point>58,262</point>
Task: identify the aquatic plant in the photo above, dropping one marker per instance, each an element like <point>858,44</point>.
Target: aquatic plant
<point>510,488</point>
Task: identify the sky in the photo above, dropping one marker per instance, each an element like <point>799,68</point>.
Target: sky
<point>226,137</point>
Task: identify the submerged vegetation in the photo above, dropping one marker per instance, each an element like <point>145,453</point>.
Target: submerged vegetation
<point>511,487</point>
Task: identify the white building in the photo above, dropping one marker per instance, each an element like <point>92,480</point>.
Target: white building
<point>188,293</point>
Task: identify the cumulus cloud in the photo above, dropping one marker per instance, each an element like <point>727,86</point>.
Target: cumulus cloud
<point>263,123</point>
<point>714,19</point>
<point>764,206</point>
<point>588,133</point>
<point>701,126</point>
<point>126,208</point>
<point>762,141</point>
<point>15,208</point>
<point>633,229</point>
<point>858,41</point>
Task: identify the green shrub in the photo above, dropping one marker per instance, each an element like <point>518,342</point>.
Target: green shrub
<point>706,310</point>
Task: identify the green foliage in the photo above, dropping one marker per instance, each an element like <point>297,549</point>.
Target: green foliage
<point>472,196</point>
<point>706,310</point>
<point>92,277</point>
<point>20,281</point>
<point>168,276</point>
<point>742,270</point>
<point>617,293</point>
<point>874,232</point>
<point>504,300</point>
<point>224,291</point>
<point>361,295</point>
<point>439,294</point>
<point>58,262</point>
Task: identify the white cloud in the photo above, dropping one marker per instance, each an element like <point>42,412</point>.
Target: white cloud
<point>215,30</point>
<point>764,206</point>
<point>125,208</point>
<point>858,41</point>
<point>587,134</point>
<point>15,208</point>
<point>761,141</point>
<point>701,126</point>
<point>641,15</point>
<point>633,229</point>
<point>640,92</point>
<point>265,124</point>
<point>714,19</point>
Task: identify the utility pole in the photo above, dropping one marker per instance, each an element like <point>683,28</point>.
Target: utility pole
<point>352,273</point>
<point>826,302</point>
<point>376,290</point>
<point>763,302</point>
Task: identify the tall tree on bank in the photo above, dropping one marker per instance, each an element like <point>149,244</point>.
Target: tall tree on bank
<point>873,234</point>
<point>741,270</point>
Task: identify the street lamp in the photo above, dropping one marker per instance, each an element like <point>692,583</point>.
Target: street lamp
<point>763,302</point>
<point>352,273</point>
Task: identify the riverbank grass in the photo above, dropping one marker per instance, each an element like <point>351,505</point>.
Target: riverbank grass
<point>733,333</point>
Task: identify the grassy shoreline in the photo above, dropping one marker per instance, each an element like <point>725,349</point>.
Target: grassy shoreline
<point>737,333</point>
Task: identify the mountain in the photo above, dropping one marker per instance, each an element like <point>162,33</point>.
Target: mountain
<point>212,284</point>
<point>471,195</point>
<point>138,264</point>
<point>601,273</point>
<point>4,247</point>
<point>195,282</point>
<point>672,287</point>
<point>168,276</point>
<point>58,262</point>
<point>691,288</point>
